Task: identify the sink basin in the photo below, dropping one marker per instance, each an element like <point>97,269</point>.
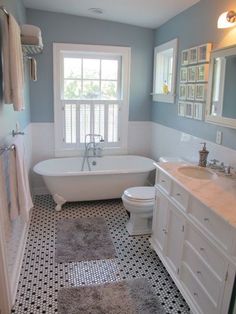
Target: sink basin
<point>197,172</point>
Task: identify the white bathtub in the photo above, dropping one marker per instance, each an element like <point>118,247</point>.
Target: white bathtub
<point>108,178</point>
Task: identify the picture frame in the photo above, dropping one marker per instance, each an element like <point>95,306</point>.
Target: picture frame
<point>181,109</point>
<point>204,52</point>
<point>193,55</point>
<point>184,57</point>
<point>190,93</point>
<point>200,92</point>
<point>189,110</point>
<point>198,111</point>
<point>182,91</point>
<point>192,74</point>
<point>183,75</point>
<point>202,73</point>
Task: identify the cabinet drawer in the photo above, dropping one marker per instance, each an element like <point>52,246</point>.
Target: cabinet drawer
<point>205,275</point>
<point>163,181</point>
<point>196,292</point>
<point>180,195</point>
<point>207,251</point>
<point>220,231</point>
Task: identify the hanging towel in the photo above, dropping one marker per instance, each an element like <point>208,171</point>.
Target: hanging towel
<point>22,201</point>
<point>14,206</point>
<point>33,69</point>
<point>16,65</point>
<point>6,62</point>
<point>4,214</point>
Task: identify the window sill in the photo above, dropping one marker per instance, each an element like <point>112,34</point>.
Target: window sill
<point>80,152</point>
<point>170,98</point>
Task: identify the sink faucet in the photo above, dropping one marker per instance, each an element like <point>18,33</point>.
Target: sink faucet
<point>203,153</point>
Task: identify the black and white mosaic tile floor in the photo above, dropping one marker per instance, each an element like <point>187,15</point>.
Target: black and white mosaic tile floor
<point>41,277</point>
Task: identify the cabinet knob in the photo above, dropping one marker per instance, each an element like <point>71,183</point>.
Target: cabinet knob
<point>164,230</point>
<point>198,272</point>
<point>163,181</point>
<point>178,194</point>
<point>202,249</point>
<point>195,294</point>
<point>206,219</point>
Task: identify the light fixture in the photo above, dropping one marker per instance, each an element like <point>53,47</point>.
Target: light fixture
<point>96,10</point>
<point>227,19</point>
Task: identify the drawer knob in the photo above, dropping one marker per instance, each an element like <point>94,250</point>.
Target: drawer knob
<point>164,230</point>
<point>206,219</point>
<point>202,249</point>
<point>198,272</point>
<point>163,181</point>
<point>195,294</point>
<point>178,194</point>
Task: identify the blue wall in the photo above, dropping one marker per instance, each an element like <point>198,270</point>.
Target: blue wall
<point>193,27</point>
<point>63,28</point>
<point>8,117</point>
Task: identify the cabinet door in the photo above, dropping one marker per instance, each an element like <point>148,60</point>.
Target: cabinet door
<point>159,224</point>
<point>175,238</point>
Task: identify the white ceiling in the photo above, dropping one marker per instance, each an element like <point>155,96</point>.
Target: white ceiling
<point>146,13</point>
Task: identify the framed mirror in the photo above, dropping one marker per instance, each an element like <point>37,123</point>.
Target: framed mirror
<point>221,98</point>
<point>164,74</point>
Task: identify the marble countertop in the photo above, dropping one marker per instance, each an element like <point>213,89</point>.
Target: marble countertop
<point>219,193</point>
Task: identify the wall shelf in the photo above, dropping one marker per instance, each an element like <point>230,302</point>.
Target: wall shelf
<point>31,49</point>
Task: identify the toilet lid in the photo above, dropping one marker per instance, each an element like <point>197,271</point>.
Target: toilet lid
<point>140,193</point>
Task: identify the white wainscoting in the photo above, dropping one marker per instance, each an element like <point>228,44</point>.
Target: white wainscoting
<point>139,142</point>
<point>170,142</point>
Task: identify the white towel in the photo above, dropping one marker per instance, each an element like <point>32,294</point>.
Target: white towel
<point>4,214</point>
<point>6,62</point>
<point>30,30</point>
<point>14,205</point>
<point>16,65</point>
<point>22,201</point>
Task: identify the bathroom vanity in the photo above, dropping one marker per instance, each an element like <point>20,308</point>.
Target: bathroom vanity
<point>194,233</point>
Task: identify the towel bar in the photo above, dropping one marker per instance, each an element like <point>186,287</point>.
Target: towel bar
<point>6,148</point>
<point>3,9</point>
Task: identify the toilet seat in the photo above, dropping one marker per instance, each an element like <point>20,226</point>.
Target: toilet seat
<point>140,194</point>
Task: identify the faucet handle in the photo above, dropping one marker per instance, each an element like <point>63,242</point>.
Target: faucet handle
<point>214,161</point>
<point>228,169</point>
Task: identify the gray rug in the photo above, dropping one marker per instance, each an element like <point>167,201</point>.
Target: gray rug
<point>83,239</point>
<point>125,297</point>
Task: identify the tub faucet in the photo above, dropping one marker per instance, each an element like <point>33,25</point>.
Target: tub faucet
<point>92,145</point>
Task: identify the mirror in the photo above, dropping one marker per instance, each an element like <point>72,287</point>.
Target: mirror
<point>221,100</point>
<point>164,73</point>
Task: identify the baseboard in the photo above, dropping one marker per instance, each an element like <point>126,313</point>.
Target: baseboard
<point>18,263</point>
<point>40,191</point>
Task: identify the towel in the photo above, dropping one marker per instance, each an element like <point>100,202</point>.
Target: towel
<point>13,69</point>
<point>4,214</point>
<point>6,62</point>
<point>33,69</point>
<point>32,40</point>
<point>21,199</point>
<point>31,35</point>
<point>16,65</point>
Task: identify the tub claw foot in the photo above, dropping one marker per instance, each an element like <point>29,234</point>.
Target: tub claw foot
<point>59,200</point>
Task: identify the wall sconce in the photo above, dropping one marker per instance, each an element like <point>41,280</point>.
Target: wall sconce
<point>227,19</point>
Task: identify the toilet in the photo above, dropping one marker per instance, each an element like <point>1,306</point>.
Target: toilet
<point>139,202</point>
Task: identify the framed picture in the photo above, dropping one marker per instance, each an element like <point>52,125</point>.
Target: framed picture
<point>190,92</point>
<point>183,75</point>
<point>200,92</point>
<point>188,109</point>
<point>204,52</point>
<point>184,57</point>
<point>192,74</point>
<point>198,111</point>
<point>181,108</point>
<point>182,91</point>
<point>192,58</point>
<point>202,73</point>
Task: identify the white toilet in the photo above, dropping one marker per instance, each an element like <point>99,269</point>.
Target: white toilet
<point>139,202</point>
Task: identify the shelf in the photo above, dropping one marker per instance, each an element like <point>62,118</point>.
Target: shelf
<point>31,49</point>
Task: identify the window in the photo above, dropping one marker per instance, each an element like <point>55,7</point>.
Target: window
<point>91,96</point>
<point>165,72</point>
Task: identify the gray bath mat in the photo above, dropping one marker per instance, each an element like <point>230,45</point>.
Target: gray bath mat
<point>125,297</point>
<point>83,239</point>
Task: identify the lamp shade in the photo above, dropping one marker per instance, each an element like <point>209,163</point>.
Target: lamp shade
<point>223,21</point>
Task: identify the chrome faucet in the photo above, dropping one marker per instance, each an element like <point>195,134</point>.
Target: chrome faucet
<point>92,146</point>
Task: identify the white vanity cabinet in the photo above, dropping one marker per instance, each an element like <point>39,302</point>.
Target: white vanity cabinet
<point>195,245</point>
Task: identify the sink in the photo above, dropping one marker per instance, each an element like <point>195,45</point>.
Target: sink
<point>197,172</point>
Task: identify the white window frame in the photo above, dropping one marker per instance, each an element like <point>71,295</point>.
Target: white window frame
<point>63,149</point>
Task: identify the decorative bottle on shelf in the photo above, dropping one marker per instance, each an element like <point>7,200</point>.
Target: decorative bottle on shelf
<point>203,153</point>
<point>165,88</point>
